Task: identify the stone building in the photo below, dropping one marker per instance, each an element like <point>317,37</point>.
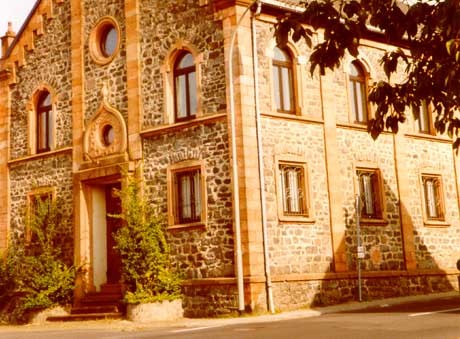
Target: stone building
<point>93,89</point>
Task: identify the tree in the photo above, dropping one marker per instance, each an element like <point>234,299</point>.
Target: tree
<point>426,36</point>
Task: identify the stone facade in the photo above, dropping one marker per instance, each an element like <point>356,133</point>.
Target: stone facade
<point>312,259</point>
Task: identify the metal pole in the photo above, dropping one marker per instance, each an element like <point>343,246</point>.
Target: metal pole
<point>235,186</point>
<point>359,251</point>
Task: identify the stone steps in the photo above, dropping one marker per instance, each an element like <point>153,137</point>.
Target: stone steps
<point>106,304</point>
<point>87,316</point>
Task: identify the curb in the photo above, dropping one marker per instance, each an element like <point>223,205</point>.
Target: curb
<point>187,323</point>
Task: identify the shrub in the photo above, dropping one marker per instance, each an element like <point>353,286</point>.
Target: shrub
<point>143,247</point>
<point>34,268</point>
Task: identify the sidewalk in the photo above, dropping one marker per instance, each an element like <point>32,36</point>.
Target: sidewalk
<point>125,325</point>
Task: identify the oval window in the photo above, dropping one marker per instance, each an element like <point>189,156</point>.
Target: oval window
<point>104,41</point>
<point>109,41</point>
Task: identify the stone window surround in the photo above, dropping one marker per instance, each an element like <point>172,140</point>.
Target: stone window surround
<point>36,192</point>
<point>441,222</point>
<point>167,70</point>
<point>32,118</point>
<point>369,166</point>
<point>298,64</point>
<point>172,170</point>
<point>297,161</point>
<point>95,37</point>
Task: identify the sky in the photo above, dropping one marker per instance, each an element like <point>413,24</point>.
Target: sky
<point>15,11</point>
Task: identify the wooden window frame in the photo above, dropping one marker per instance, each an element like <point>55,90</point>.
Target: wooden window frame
<point>46,112</point>
<point>440,218</point>
<point>187,71</point>
<point>377,195</point>
<point>174,215</point>
<point>363,80</point>
<point>278,66</point>
<point>306,213</point>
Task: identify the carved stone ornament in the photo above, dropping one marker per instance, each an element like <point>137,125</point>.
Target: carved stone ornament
<point>106,133</point>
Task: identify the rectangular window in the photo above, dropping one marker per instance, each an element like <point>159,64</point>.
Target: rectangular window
<point>432,190</point>
<point>292,179</point>
<point>186,196</point>
<point>38,212</point>
<point>422,114</point>
<point>369,191</point>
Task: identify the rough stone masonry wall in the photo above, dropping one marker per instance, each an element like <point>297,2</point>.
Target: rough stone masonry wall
<point>165,23</point>
<point>48,63</point>
<point>297,247</point>
<point>307,87</point>
<point>54,172</point>
<point>113,73</point>
<point>203,252</point>
<point>435,246</point>
<point>382,243</point>
<point>299,294</point>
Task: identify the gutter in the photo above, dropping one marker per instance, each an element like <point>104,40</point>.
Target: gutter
<point>263,210</point>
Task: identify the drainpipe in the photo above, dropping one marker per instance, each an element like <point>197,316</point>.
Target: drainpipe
<point>236,191</point>
<point>263,211</point>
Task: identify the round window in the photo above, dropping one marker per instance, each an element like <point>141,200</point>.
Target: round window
<point>108,135</point>
<point>104,41</point>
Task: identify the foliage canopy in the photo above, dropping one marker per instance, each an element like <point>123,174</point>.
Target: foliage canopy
<point>427,36</point>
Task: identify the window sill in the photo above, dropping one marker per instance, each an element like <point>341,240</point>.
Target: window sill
<point>426,136</point>
<point>436,223</point>
<point>293,116</point>
<point>182,125</point>
<point>41,155</point>
<point>296,219</point>
<point>373,222</point>
<point>193,225</point>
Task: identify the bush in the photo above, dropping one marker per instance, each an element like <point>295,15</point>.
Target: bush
<point>143,247</point>
<point>35,268</point>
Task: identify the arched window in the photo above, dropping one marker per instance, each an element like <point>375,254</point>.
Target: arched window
<point>44,122</point>
<point>283,81</point>
<point>358,92</point>
<point>185,94</point>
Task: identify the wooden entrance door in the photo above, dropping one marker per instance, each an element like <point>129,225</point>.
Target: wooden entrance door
<point>113,207</point>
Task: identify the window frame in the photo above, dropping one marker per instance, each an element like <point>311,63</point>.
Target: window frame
<point>278,66</point>
<point>174,215</point>
<point>440,207</point>
<point>308,214</point>
<point>363,80</point>
<point>50,193</point>
<point>167,70</point>
<point>378,195</point>
<point>426,110</point>
<point>187,72</point>
<point>97,40</point>
<point>46,112</point>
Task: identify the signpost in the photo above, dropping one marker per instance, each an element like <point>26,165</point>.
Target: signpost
<point>360,249</point>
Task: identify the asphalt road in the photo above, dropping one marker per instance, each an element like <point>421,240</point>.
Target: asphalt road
<point>437,318</point>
